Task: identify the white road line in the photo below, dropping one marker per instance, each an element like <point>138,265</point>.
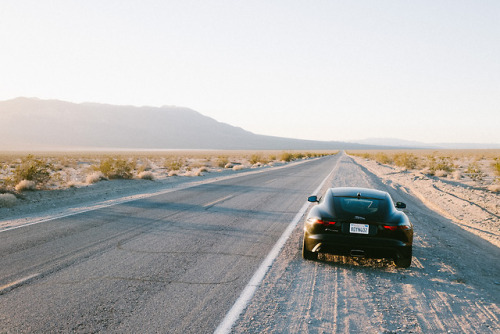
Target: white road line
<point>246,295</point>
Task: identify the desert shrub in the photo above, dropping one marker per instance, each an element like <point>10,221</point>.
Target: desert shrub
<point>427,171</point>
<point>194,172</point>
<point>116,168</point>
<point>365,155</point>
<point>298,156</point>
<point>32,169</point>
<point>175,164</point>
<point>7,200</point>
<point>474,172</point>
<point>238,167</point>
<point>382,158</point>
<point>146,175</point>
<point>440,173</point>
<point>406,160</point>
<point>286,156</point>
<point>457,175</point>
<point>221,161</point>
<point>94,177</point>
<point>25,185</point>
<point>255,158</point>
<point>146,166</point>
<point>440,163</point>
<point>496,166</point>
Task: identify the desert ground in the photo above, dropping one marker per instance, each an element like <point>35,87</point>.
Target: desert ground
<point>461,185</point>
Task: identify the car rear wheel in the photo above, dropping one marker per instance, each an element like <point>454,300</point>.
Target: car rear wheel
<point>307,254</point>
<point>403,260</point>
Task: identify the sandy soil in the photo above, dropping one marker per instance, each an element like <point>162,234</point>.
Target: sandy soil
<point>468,204</point>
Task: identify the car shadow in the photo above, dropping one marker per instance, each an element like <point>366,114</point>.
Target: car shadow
<point>350,262</point>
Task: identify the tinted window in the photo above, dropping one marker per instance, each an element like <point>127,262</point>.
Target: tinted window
<point>352,206</point>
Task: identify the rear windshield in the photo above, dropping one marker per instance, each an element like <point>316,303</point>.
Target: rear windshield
<point>353,206</point>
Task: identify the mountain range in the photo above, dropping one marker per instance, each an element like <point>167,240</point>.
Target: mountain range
<point>31,123</point>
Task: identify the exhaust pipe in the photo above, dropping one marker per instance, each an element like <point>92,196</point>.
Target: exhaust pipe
<point>316,248</point>
<point>357,252</point>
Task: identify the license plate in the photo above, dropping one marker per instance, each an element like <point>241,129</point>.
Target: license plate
<point>359,228</point>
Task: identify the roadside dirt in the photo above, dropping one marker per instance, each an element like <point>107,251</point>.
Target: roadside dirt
<point>453,285</point>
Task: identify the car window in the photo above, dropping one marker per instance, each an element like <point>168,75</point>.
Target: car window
<point>360,206</point>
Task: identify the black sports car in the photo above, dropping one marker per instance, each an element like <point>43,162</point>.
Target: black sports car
<point>358,222</point>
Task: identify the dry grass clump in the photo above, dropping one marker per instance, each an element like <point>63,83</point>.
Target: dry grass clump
<point>7,200</point>
<point>286,156</point>
<point>496,166</point>
<point>174,163</point>
<point>456,175</point>
<point>383,158</point>
<point>25,185</point>
<point>146,175</point>
<point>116,168</point>
<point>474,171</point>
<point>405,160</point>
<point>440,163</point>
<point>255,158</point>
<point>239,167</point>
<point>440,173</point>
<point>194,172</point>
<point>29,173</point>
<point>95,177</point>
<point>222,162</point>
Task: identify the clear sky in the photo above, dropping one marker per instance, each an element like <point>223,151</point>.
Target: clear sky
<point>310,69</point>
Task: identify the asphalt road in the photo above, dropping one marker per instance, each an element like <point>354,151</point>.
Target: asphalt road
<point>172,263</point>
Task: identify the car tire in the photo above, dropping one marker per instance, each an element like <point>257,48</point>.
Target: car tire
<point>307,254</point>
<point>403,260</point>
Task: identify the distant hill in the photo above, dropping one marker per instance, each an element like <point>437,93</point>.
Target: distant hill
<point>30,123</point>
<point>394,142</point>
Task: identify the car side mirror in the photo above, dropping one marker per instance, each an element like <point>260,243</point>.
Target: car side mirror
<point>313,199</point>
<point>400,205</point>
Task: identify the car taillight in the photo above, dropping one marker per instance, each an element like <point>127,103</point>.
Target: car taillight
<point>397,227</point>
<point>319,221</point>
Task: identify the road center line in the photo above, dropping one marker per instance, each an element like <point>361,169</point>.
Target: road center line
<point>246,295</point>
<point>217,201</point>
<point>16,283</point>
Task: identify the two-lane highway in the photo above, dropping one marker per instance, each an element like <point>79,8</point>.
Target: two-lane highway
<point>172,263</point>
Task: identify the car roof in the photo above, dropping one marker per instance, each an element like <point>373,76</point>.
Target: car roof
<point>354,191</point>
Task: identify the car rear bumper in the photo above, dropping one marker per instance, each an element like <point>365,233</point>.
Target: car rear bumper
<point>356,246</point>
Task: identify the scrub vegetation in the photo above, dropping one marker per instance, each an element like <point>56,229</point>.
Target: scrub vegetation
<point>476,168</point>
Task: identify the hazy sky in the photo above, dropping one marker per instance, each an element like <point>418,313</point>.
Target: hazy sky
<point>311,69</point>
